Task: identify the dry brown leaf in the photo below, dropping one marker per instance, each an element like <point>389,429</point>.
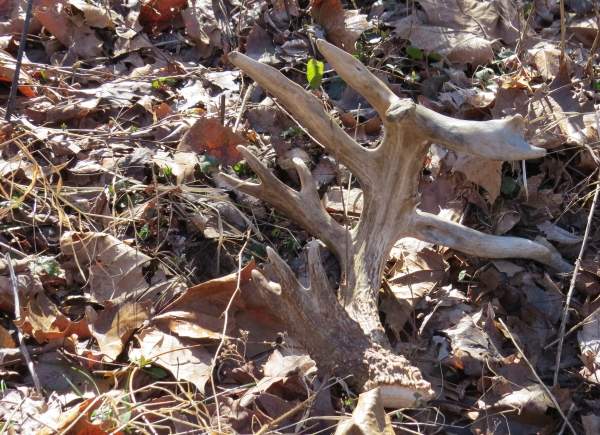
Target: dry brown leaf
<point>28,284</point>
<point>471,347</point>
<point>201,26</point>
<point>591,424</point>
<point>557,114</point>
<point>42,320</point>
<point>184,358</point>
<point>181,164</point>
<point>589,343</point>
<point>94,15</point>
<point>7,71</point>
<point>338,200</point>
<point>82,39</point>
<point>115,268</point>
<point>418,270</point>
<point>260,46</point>
<point>157,16</point>
<point>342,27</point>
<point>208,136</point>
<point>486,173</point>
<point>6,341</point>
<point>116,323</point>
<point>281,8</point>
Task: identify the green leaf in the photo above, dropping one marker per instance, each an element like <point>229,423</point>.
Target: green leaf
<point>508,185</point>
<point>156,372</point>
<point>484,74</point>
<point>208,163</point>
<point>336,88</point>
<point>292,132</point>
<point>144,232</point>
<point>461,276</point>
<point>314,73</point>
<point>163,81</point>
<point>596,85</point>
<point>434,57</point>
<point>415,52</point>
<point>505,53</point>
<point>238,167</point>
<point>45,265</point>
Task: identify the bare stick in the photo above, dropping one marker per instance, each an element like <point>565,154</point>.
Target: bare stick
<point>548,392</point>
<point>574,328</point>
<point>565,314</point>
<point>26,357</point>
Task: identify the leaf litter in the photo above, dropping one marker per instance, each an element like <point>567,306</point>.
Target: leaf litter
<point>132,263</point>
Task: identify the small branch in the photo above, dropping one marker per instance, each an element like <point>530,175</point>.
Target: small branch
<point>541,383</point>
<point>26,357</point>
<point>565,314</point>
<point>309,112</point>
<point>302,207</point>
<point>433,229</point>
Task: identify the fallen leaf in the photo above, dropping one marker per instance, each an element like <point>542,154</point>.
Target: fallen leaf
<point>6,341</point>
<point>338,200</point>
<point>82,39</point>
<point>201,25</point>
<point>260,46</point>
<point>115,268</point>
<point>557,234</point>
<point>42,320</point>
<point>557,112</point>
<point>342,27</point>
<point>589,343</point>
<point>184,358</point>
<point>591,424</point>
<point>208,136</point>
<point>471,347</point>
<point>486,173</point>
<point>116,323</point>
<point>157,16</point>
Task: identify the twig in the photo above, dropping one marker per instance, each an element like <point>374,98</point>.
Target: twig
<point>563,325</point>
<point>569,415</point>
<point>538,379</point>
<point>590,64</point>
<point>292,411</point>
<point>222,109</point>
<point>583,322</point>
<point>15,81</point>
<point>24,352</point>
<point>563,33</point>
<point>133,401</point>
<point>225,323</point>
<point>243,106</point>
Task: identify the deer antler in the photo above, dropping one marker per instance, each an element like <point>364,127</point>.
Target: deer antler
<point>351,337</point>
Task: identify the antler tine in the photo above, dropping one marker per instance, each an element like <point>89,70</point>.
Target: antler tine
<point>499,139</point>
<point>358,77</point>
<point>433,229</point>
<point>308,111</point>
<point>302,207</point>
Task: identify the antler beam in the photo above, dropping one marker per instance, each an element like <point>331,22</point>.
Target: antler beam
<point>349,336</point>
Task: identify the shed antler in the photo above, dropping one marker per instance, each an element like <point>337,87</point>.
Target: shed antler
<point>350,338</point>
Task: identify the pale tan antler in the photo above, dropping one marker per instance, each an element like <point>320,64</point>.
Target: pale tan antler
<point>388,176</point>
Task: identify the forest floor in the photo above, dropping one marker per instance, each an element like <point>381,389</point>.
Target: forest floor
<point>126,304</point>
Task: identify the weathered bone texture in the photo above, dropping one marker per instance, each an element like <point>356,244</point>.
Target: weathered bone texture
<point>347,336</point>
